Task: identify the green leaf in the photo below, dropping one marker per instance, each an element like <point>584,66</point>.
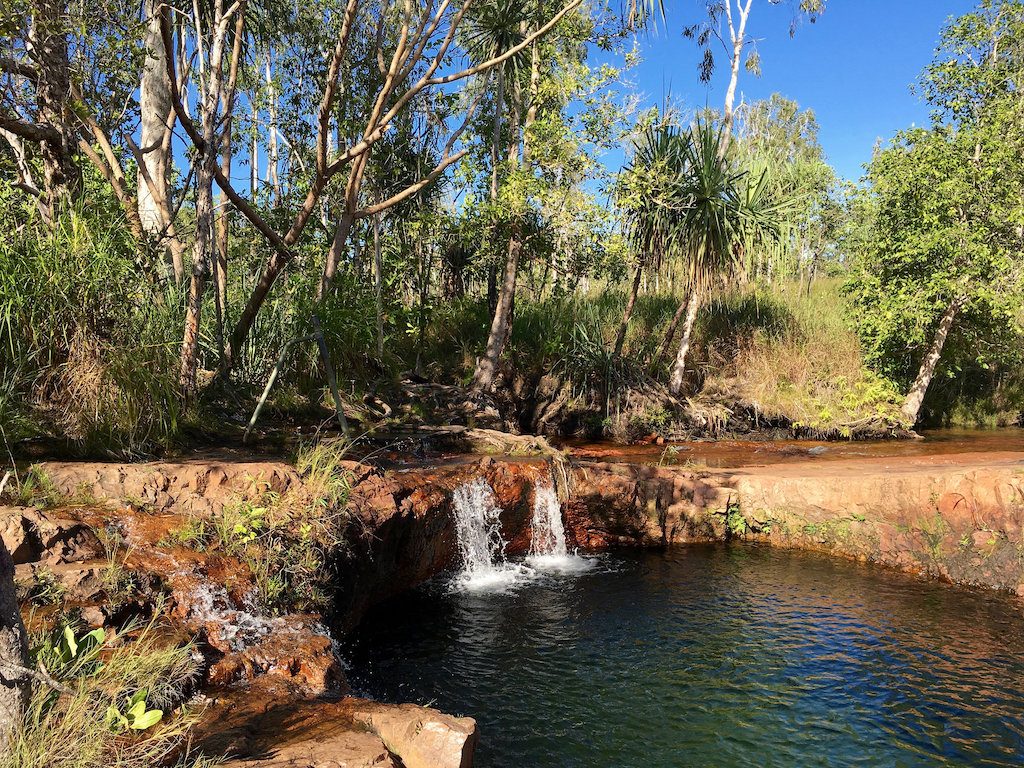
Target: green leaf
<point>147,720</point>
<point>136,710</point>
<point>70,642</point>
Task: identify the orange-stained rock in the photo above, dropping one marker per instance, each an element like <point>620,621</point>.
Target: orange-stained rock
<point>421,737</point>
<point>922,514</point>
<point>263,726</point>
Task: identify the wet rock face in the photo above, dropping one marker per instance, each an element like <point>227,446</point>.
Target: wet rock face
<point>404,530</point>
<point>959,518</point>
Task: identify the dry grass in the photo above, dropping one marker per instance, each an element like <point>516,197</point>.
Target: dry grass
<point>805,366</point>
<point>70,730</point>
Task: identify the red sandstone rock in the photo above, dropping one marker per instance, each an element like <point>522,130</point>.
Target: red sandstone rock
<point>421,737</point>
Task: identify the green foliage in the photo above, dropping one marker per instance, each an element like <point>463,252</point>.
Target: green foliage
<point>110,711</point>
<point>288,542</point>
<point>88,342</point>
<point>946,212</point>
<point>134,715</point>
<point>735,522</point>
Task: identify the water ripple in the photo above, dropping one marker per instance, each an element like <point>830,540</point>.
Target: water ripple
<point>722,656</point>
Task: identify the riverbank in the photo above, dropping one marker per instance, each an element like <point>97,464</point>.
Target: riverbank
<point>955,516</point>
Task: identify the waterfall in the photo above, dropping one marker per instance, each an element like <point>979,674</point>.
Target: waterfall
<point>548,530</point>
<point>482,548</point>
<point>548,551</point>
<point>478,529</point>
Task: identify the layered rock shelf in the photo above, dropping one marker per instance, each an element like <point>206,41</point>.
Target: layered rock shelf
<point>959,517</point>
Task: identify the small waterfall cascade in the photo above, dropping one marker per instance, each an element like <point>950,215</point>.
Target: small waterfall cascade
<point>478,529</point>
<point>548,550</point>
<point>548,530</point>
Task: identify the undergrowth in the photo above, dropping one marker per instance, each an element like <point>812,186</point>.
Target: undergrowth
<point>114,702</point>
<point>287,541</point>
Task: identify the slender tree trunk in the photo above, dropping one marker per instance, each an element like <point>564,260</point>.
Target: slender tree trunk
<point>202,251</point>
<point>254,154</point>
<point>738,40</point>
<point>14,684</point>
<point>675,383</point>
<point>499,105</point>
<point>620,337</point>
<point>272,151</point>
<point>155,109</point>
<point>220,264</point>
<point>378,283</point>
<point>48,40</point>
<point>487,365</point>
<point>670,334</point>
<point>345,223</point>
<point>915,397</point>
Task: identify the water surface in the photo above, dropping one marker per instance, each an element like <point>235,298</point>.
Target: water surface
<point>711,656</point>
<point>742,453</point>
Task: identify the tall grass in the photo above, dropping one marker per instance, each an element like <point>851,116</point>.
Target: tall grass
<point>88,342</point>
<point>793,356</point>
<point>69,729</point>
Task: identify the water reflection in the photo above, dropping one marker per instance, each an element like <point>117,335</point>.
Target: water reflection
<point>741,453</point>
<point>712,656</point>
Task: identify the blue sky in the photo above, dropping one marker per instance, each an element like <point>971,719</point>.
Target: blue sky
<point>854,67</point>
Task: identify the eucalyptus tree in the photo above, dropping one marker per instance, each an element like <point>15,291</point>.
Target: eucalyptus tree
<point>69,73</point>
<point>943,256</point>
<point>727,25</point>
<point>424,60</point>
<point>502,28</point>
<point>777,135</point>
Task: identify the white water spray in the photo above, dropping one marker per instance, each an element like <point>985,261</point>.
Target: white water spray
<point>481,547</point>
<point>478,528</point>
<point>548,550</point>
<point>548,530</point>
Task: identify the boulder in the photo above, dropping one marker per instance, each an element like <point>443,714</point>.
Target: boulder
<point>264,726</point>
<point>31,535</point>
<point>422,737</point>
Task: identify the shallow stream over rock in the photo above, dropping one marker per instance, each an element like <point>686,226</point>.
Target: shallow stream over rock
<point>725,655</point>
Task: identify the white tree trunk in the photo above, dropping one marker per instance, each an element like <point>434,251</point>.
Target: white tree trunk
<point>272,150</point>
<point>155,109</point>
<point>737,35</point>
<point>679,366</point>
<point>915,397</point>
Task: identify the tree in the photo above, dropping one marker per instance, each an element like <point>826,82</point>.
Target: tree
<point>644,194</point>
<point>424,41</point>
<point>723,212</point>
<point>948,224</point>
<point>736,41</point>
<point>157,114</point>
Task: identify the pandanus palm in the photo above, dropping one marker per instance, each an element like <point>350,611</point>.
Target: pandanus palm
<point>729,213</point>
<point>645,193</point>
<point>702,210</point>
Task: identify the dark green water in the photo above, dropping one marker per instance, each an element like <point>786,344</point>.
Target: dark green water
<point>711,656</point>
